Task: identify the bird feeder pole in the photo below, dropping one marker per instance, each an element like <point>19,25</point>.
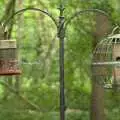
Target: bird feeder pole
<point>61,35</point>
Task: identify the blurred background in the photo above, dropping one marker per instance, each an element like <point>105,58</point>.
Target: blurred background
<point>34,95</point>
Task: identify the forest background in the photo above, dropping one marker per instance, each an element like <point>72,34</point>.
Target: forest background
<point>35,94</point>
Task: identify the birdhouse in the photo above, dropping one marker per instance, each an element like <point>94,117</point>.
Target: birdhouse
<point>8,58</point>
<point>106,62</point>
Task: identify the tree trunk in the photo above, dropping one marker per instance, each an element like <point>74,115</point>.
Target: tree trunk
<point>19,37</point>
<point>97,98</point>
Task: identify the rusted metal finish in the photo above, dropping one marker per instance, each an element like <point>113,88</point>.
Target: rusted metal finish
<point>8,58</point>
<point>9,67</point>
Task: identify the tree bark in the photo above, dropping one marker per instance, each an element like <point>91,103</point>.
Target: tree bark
<point>97,98</point>
<point>20,20</point>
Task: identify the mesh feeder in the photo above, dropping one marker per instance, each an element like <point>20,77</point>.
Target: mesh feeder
<point>106,62</point>
<point>8,58</point>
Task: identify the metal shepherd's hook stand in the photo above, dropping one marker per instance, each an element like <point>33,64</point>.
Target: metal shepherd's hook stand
<point>61,27</point>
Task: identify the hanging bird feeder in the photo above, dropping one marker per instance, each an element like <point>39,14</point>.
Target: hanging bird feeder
<point>106,62</point>
<point>8,58</point>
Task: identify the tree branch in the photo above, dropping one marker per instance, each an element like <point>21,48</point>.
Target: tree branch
<point>34,106</point>
<point>8,9</point>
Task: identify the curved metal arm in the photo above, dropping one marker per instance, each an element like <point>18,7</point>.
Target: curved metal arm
<point>33,9</point>
<point>114,30</point>
<point>82,12</point>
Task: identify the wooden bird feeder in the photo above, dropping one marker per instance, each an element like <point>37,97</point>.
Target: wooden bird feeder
<point>8,58</point>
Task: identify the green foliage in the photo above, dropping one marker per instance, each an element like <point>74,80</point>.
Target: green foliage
<point>39,82</point>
